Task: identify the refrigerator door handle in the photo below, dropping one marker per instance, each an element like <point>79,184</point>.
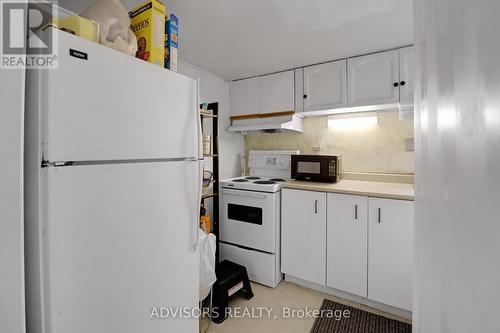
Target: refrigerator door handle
<point>198,122</point>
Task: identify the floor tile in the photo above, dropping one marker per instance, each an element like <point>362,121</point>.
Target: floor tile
<point>286,295</point>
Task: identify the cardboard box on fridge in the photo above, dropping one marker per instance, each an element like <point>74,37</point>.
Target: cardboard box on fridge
<point>148,22</point>
<point>171,42</point>
<point>79,26</point>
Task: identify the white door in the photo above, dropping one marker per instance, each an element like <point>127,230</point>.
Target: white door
<point>244,96</point>
<point>325,86</point>
<point>111,106</point>
<point>299,89</point>
<point>249,218</point>
<point>390,252</point>
<point>406,75</point>
<point>277,92</point>
<point>373,79</point>
<point>303,235</point>
<point>347,242</point>
<point>118,241</point>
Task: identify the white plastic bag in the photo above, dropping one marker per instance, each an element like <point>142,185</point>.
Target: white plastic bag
<point>114,25</point>
<point>207,263</point>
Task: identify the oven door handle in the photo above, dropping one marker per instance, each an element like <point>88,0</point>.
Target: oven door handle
<point>244,194</point>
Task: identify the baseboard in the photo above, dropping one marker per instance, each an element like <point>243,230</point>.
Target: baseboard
<point>353,298</point>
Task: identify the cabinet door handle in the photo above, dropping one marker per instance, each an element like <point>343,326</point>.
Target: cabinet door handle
<point>356,212</point>
<point>379,215</point>
<point>315,206</point>
<point>402,83</point>
<point>396,84</point>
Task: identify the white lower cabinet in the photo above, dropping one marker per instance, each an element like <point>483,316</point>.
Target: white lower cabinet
<point>390,252</point>
<point>303,235</point>
<point>347,233</point>
<point>356,244</point>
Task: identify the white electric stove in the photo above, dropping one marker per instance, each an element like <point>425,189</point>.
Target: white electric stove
<point>254,183</point>
<point>251,216</point>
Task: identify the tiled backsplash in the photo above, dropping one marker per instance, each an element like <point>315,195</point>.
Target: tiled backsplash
<point>379,149</point>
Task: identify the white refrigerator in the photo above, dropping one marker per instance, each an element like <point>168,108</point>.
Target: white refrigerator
<point>113,185</point>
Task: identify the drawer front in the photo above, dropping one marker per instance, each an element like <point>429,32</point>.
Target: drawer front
<point>261,267</point>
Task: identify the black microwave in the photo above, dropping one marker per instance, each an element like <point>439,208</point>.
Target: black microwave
<point>317,168</point>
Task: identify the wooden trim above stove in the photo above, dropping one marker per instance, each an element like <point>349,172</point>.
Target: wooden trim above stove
<point>262,115</point>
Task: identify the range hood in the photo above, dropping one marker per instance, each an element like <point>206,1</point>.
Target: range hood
<point>267,123</point>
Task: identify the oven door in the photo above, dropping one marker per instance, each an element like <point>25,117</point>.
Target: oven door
<point>249,219</point>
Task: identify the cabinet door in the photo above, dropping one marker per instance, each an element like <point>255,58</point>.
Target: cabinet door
<point>347,239</point>
<point>303,235</point>
<point>277,92</point>
<point>325,86</point>
<point>373,79</point>
<point>406,75</point>
<point>299,90</point>
<point>390,252</point>
<point>244,96</point>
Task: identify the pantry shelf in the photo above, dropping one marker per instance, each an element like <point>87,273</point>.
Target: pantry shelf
<point>209,195</point>
<point>207,114</point>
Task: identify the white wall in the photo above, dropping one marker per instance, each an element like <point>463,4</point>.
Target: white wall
<point>379,149</point>
<point>457,144</point>
<point>215,89</point>
<point>11,209</point>
<point>231,146</point>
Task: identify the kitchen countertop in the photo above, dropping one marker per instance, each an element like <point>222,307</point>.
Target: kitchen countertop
<point>357,187</point>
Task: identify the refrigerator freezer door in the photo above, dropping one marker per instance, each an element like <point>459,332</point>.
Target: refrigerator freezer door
<point>112,106</point>
<point>118,242</point>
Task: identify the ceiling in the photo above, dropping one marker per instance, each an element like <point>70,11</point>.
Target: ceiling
<point>242,38</point>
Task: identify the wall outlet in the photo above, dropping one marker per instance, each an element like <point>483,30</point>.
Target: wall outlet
<point>410,144</point>
<point>318,149</point>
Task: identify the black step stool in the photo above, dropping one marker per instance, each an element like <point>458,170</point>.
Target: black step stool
<point>232,280</point>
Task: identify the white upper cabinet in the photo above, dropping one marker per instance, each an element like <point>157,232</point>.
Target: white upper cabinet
<point>347,242</point>
<point>263,94</point>
<point>373,79</point>
<point>406,75</point>
<point>277,92</point>
<point>325,86</point>
<point>244,96</point>
<point>390,259</point>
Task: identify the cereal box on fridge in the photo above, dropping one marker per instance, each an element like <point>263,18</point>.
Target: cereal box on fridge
<point>148,22</point>
<point>171,42</point>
